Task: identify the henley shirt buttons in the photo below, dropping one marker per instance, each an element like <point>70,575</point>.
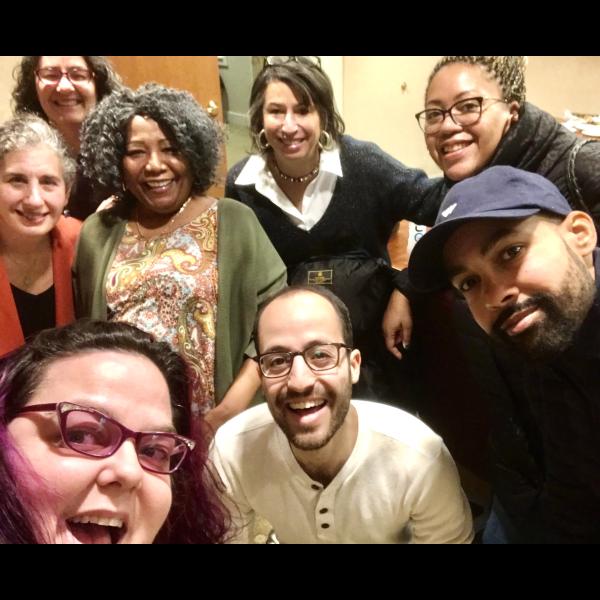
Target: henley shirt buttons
<point>323,511</point>
<point>325,525</point>
<point>314,486</point>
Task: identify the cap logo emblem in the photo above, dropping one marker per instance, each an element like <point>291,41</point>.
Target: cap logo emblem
<point>449,210</point>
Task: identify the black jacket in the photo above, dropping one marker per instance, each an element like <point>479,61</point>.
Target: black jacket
<point>546,439</point>
<point>539,144</point>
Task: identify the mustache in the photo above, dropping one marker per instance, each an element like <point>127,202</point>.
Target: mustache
<point>541,301</point>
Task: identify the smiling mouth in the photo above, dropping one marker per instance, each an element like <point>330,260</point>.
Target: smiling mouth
<point>68,103</point>
<point>31,217</point>
<point>306,407</point>
<point>454,147</point>
<point>97,530</point>
<point>158,186</point>
<point>516,323</point>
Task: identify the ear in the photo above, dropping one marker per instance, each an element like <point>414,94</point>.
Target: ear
<point>355,360</point>
<point>513,115</point>
<point>580,233</point>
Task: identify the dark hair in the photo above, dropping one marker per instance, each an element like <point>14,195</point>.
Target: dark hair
<point>25,97</point>
<point>196,515</point>
<point>507,71</point>
<point>338,306</point>
<point>188,126</point>
<point>310,85</point>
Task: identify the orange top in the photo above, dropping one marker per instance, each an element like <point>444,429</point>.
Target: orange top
<point>64,237</point>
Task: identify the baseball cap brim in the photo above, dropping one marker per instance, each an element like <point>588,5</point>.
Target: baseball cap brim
<point>426,268</point>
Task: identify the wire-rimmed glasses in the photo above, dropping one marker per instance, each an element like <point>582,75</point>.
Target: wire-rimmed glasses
<point>311,61</point>
<point>465,112</point>
<point>88,431</point>
<point>318,357</point>
<point>76,75</point>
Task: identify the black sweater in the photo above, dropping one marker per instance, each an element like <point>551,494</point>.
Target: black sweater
<point>374,193</point>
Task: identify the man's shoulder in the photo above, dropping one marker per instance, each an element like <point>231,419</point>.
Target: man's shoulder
<point>255,421</point>
<point>398,426</point>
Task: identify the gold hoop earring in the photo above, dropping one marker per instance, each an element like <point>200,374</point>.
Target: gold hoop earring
<point>325,141</point>
<point>264,146</point>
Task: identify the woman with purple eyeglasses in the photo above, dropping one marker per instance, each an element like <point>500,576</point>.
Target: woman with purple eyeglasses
<point>97,445</point>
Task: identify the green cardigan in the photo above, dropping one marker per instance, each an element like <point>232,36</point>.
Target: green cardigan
<point>249,269</point>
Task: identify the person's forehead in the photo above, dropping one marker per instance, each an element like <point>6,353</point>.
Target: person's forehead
<point>300,308</point>
<point>461,77</point>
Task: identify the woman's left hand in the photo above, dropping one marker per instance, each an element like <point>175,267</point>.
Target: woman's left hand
<point>397,324</point>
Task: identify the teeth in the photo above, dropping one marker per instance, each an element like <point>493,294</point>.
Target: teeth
<point>157,184</point>
<point>455,147</point>
<point>72,102</point>
<point>106,521</point>
<point>307,404</point>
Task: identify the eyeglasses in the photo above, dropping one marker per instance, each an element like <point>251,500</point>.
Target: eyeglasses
<point>90,432</point>
<point>319,357</point>
<point>311,61</point>
<point>76,75</point>
<point>464,112</point>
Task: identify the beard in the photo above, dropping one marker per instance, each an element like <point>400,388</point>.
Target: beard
<point>308,438</point>
<point>563,313</point>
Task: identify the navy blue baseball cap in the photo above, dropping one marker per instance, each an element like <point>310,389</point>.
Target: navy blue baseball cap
<point>496,193</point>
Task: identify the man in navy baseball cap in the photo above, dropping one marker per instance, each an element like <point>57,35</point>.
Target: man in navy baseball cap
<point>529,270</point>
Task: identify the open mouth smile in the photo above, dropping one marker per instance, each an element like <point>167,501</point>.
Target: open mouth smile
<point>90,529</point>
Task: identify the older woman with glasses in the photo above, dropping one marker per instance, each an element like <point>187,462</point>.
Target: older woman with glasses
<point>37,243</point>
<point>168,257</point>
<point>329,203</point>
<point>63,90</point>
<point>97,444</point>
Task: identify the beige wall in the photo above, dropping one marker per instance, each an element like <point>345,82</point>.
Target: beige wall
<point>556,83</point>
<point>7,64</point>
<point>381,96</point>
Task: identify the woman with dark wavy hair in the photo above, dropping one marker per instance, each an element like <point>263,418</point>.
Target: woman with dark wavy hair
<point>62,90</point>
<point>329,204</point>
<point>73,468</point>
<point>166,256</point>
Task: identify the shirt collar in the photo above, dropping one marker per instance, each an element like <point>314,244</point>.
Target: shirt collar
<point>256,167</point>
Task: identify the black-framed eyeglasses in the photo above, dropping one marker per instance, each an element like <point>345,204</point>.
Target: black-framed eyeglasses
<point>76,75</point>
<point>464,112</point>
<point>318,357</point>
<point>90,432</point>
<point>311,61</point>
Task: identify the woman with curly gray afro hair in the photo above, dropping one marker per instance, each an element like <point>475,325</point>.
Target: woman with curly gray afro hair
<point>62,90</point>
<point>196,135</point>
<point>166,256</point>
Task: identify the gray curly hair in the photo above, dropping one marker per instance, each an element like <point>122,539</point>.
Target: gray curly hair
<point>27,130</point>
<point>188,126</point>
<point>508,71</point>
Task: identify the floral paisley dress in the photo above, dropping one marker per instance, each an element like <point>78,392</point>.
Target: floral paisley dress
<point>167,286</point>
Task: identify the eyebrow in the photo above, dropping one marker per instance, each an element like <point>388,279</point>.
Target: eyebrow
<point>170,428</point>
<point>487,245</point>
<point>286,349</point>
<point>457,98</point>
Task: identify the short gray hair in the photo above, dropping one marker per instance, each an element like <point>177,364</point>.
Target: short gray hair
<point>27,130</point>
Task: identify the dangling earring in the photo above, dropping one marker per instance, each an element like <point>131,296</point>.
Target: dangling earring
<point>325,141</point>
<point>264,146</point>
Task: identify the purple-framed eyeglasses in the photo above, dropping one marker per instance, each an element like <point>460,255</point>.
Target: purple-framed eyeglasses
<point>90,432</point>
